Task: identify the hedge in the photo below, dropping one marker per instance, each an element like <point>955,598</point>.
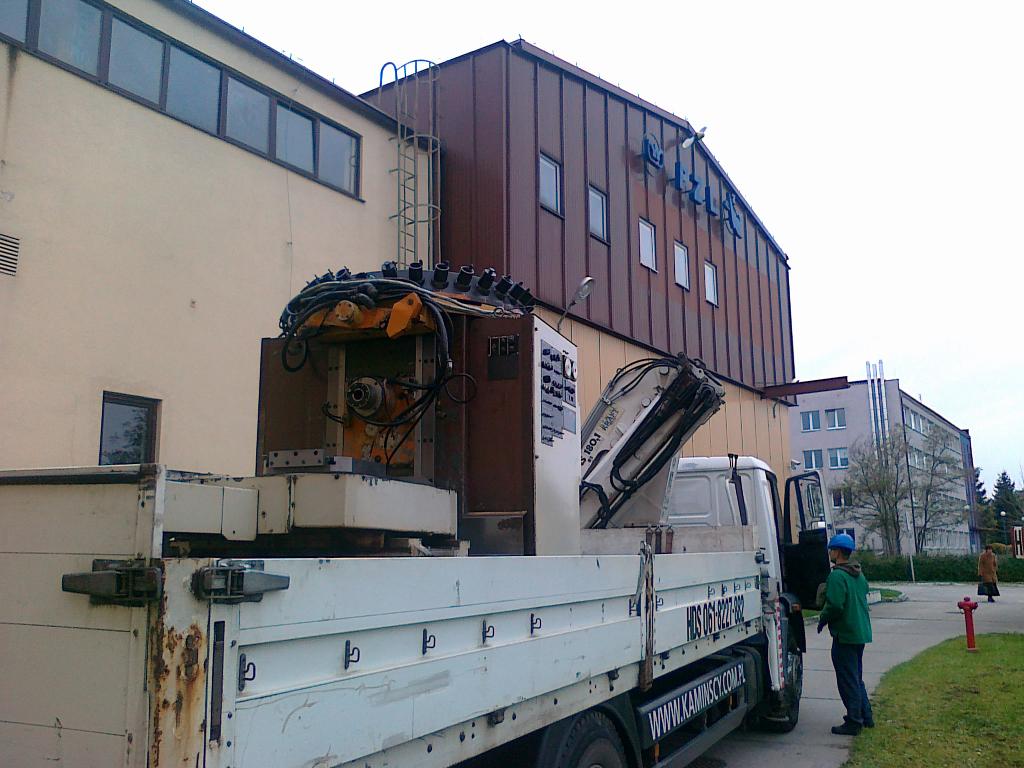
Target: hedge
<point>935,568</point>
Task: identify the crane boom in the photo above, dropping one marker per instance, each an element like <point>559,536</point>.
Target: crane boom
<point>646,412</point>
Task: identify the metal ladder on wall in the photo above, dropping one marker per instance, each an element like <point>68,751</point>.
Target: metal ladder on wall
<point>417,213</point>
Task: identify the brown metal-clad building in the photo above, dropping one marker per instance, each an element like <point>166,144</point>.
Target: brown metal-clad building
<point>499,111</point>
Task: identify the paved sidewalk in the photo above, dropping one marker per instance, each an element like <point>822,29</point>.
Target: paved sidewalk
<point>901,631</point>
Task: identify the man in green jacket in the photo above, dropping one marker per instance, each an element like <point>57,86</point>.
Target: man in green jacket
<point>846,614</point>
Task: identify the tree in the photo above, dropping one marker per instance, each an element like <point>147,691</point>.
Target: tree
<point>980,494</point>
<point>936,480</point>
<point>1005,500</point>
<point>878,482</point>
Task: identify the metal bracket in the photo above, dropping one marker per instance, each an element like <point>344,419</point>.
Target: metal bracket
<point>246,671</point>
<point>236,581</point>
<point>429,641</point>
<point>130,583</point>
<point>352,654</point>
<point>536,622</point>
<point>486,632</point>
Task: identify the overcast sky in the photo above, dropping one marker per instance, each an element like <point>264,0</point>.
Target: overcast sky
<point>881,145</point>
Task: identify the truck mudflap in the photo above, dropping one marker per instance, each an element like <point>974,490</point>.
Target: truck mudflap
<point>732,683</point>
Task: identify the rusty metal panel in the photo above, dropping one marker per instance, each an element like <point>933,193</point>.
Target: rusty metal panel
<point>702,241</point>
<point>637,203</point>
<point>720,315</point>
<point>455,120</point>
<point>549,112</point>
<point>575,171</point>
<point>658,282</point>
<point>675,331</point>
<point>770,300</point>
<point>178,668</point>
<point>522,179</point>
<point>621,227</point>
<point>489,151</point>
<point>595,131</point>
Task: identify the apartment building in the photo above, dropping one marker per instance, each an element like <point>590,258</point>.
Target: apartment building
<point>826,427</point>
<point>167,183</point>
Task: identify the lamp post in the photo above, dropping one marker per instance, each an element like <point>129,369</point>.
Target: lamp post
<point>582,291</point>
<point>1002,516</point>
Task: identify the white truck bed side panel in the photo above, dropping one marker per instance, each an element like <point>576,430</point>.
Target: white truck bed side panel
<point>72,674</point>
<point>303,704</point>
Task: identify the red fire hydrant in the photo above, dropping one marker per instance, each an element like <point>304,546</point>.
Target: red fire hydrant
<point>968,606</point>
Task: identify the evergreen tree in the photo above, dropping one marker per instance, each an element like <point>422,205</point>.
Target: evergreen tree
<point>1005,499</point>
<point>979,488</point>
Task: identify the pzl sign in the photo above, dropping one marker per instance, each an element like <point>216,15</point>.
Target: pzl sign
<point>694,187</point>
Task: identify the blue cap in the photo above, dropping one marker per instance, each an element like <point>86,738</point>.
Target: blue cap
<point>842,541</point>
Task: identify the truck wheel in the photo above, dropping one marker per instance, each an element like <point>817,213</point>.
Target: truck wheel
<point>590,742</point>
<point>784,718</point>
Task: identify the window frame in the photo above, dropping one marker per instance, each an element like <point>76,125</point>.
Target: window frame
<point>676,245</point>
<point>840,459</point>
<point>838,426</point>
<point>817,417</point>
<point>641,221</point>
<point>152,407</point>
<point>559,194</point>
<point>815,453</point>
<point>714,274</point>
<point>108,13</point>
<point>592,190</point>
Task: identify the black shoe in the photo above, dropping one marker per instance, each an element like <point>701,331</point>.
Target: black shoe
<point>849,728</point>
<point>991,599</point>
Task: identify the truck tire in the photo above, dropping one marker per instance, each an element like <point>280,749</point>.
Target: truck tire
<point>785,717</point>
<point>591,741</point>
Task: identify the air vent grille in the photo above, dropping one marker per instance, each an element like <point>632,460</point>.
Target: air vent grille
<point>9,248</point>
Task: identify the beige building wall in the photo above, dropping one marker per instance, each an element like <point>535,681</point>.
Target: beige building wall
<point>747,424</point>
<point>155,256</point>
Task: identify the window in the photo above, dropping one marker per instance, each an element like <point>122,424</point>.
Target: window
<point>682,259</point>
<point>193,90</point>
<point>711,283</point>
<point>810,421</point>
<point>136,61</point>
<point>812,459</point>
<point>294,139</point>
<point>550,184</point>
<point>128,429</point>
<point>838,458</point>
<point>849,532</point>
<point>648,252</point>
<point>69,30</point>
<point>598,213</point>
<point>113,51</point>
<point>248,115</point>
<point>841,497</point>
<point>14,18</point>
<point>339,155</point>
<point>835,418</point>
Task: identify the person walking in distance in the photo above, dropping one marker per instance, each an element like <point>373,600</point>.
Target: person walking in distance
<point>846,614</point>
<point>987,576</point>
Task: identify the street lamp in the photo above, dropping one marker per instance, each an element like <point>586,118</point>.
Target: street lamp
<point>1002,516</point>
<point>582,291</point>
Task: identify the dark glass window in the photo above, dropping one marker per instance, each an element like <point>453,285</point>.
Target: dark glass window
<point>598,213</point>
<point>14,18</point>
<point>550,184</point>
<point>338,158</point>
<point>294,139</point>
<point>69,30</point>
<point>136,61</point>
<point>193,90</point>
<point>128,430</point>
<point>248,115</point>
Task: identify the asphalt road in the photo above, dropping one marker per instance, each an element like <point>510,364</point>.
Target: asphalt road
<point>901,631</point>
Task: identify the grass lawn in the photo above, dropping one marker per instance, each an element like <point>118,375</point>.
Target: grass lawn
<point>889,594</point>
<point>947,708</point>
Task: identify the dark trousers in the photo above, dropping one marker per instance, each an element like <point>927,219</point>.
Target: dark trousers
<point>848,660</point>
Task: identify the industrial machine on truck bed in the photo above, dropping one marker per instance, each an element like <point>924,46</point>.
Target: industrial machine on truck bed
<point>437,561</point>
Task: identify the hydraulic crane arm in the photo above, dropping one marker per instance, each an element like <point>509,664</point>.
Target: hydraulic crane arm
<point>645,414</point>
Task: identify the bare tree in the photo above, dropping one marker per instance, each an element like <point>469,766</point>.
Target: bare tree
<point>936,478</point>
<point>878,484</point>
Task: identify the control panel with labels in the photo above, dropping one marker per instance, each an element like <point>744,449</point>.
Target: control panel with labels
<point>557,394</point>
